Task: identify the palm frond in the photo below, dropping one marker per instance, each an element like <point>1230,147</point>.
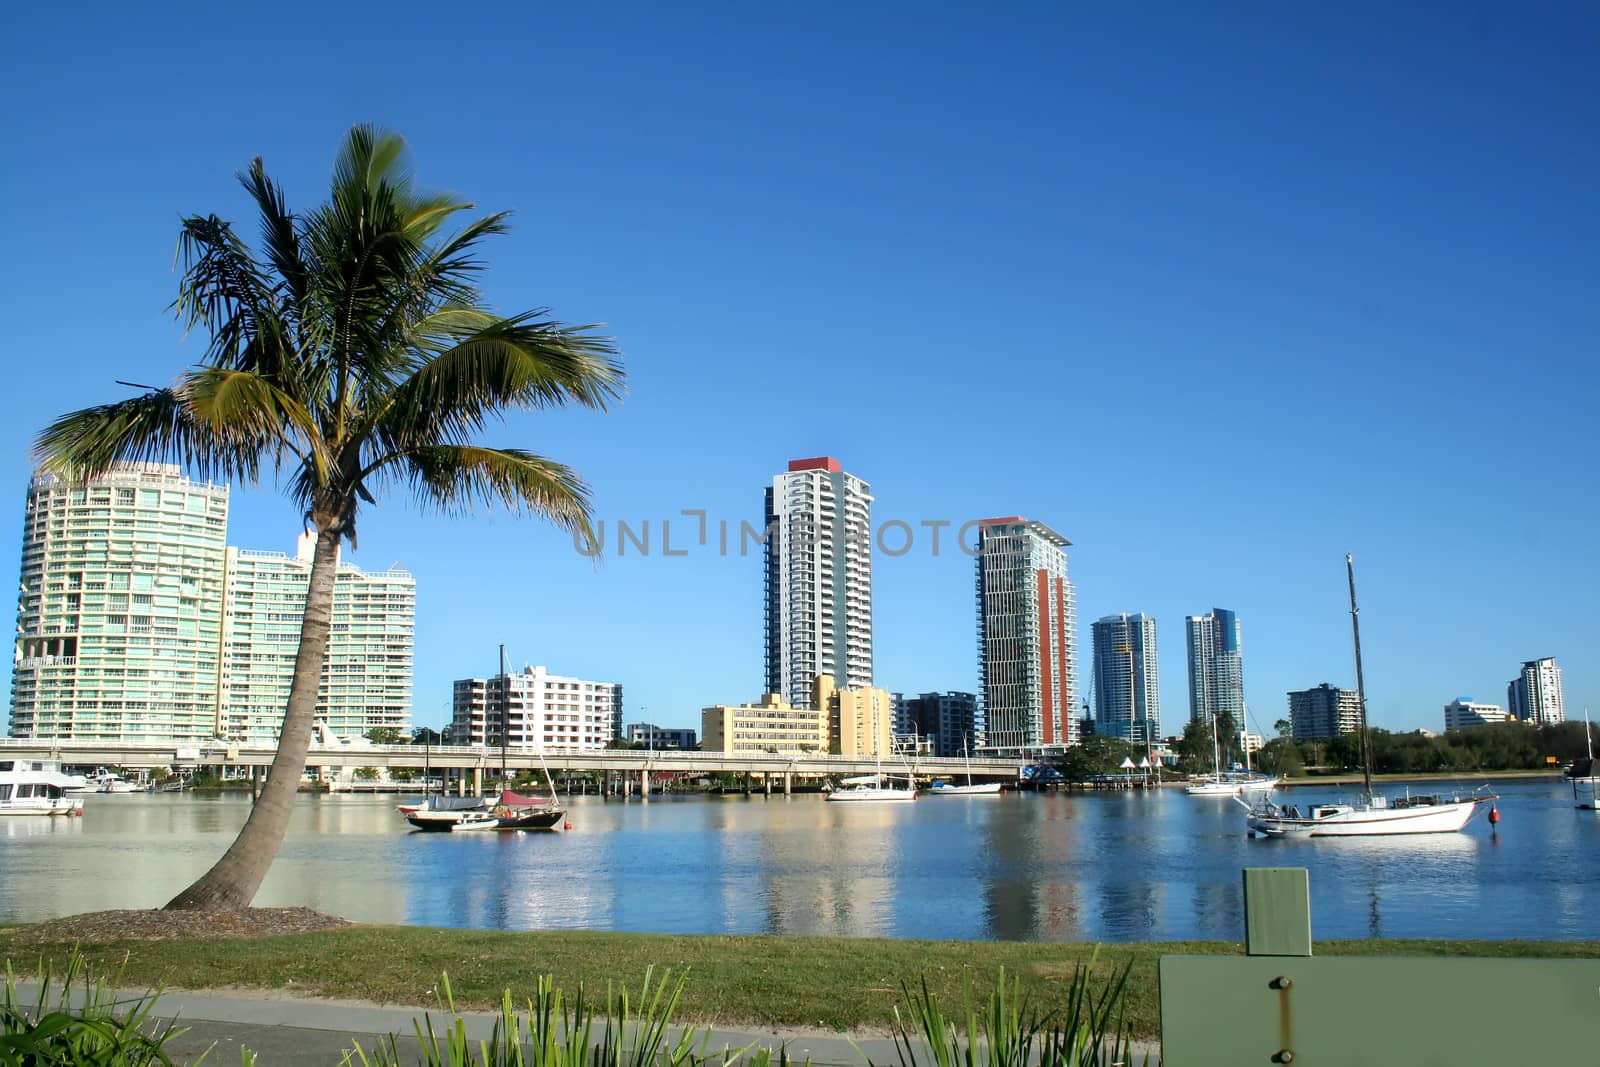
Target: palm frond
<point>459,478</point>
<point>279,236</point>
<point>526,362</point>
<point>227,292</point>
<point>157,427</point>
<point>247,410</point>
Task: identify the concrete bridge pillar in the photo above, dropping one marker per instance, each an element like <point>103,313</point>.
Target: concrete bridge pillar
<point>746,783</point>
<point>644,784</point>
<point>766,781</point>
<point>787,782</point>
<point>477,781</point>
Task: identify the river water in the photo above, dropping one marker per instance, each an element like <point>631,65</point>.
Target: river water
<point>1052,867</point>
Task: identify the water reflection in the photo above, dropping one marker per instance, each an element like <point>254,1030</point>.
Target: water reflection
<point>1016,867</point>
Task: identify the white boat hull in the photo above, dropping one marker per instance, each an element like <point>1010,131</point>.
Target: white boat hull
<point>869,794</point>
<point>68,806</point>
<point>986,789</point>
<point>1346,821</point>
<point>1235,788</point>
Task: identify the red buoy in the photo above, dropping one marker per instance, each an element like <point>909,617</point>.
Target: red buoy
<point>1494,815</point>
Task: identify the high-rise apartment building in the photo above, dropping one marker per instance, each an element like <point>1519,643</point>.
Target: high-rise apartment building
<point>1323,712</point>
<point>1535,694</point>
<point>120,610</point>
<point>1027,648</point>
<point>1462,713</point>
<point>535,709</point>
<point>1127,684</point>
<point>947,721</point>
<point>137,622</point>
<point>818,579</point>
<point>1216,671</point>
<point>366,678</point>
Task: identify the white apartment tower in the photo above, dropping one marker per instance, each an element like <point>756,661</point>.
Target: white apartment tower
<point>136,621</point>
<point>818,579</point>
<point>535,709</point>
<point>1216,671</point>
<point>1535,694</point>
<point>120,608</point>
<point>366,680</point>
<point>1027,648</point>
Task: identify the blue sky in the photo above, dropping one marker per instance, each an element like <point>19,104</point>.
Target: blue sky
<point>1219,291</point>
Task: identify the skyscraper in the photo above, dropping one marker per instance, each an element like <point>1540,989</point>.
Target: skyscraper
<point>818,579</point>
<point>1127,689</point>
<point>1216,673</point>
<point>1535,694</point>
<point>1027,649</point>
<point>119,620</point>
<point>366,679</point>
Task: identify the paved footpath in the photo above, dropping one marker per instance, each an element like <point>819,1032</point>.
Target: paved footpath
<point>306,1032</point>
<point>313,1032</point>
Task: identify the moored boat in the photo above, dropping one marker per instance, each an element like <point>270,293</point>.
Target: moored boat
<point>1230,784</point>
<point>37,787</point>
<point>1371,815</point>
<point>980,789</point>
<point>872,788</point>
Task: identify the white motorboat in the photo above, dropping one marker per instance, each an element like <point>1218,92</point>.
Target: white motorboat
<point>108,782</point>
<point>1371,815</point>
<point>37,787</point>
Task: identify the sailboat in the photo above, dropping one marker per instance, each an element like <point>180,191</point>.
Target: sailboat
<point>982,789</point>
<point>1586,776</point>
<point>1221,783</point>
<point>1372,815</point>
<point>508,811</point>
<point>876,786</point>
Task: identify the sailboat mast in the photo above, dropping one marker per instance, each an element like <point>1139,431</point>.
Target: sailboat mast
<point>505,714</point>
<point>1361,687</point>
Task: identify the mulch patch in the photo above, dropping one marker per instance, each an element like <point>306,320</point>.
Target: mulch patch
<point>101,927</point>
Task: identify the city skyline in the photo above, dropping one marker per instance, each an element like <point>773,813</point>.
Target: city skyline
<point>1384,221</point>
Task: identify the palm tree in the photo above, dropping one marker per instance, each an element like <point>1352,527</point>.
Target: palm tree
<point>350,354</point>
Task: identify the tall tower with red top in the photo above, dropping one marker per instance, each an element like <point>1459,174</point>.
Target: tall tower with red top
<point>818,579</point>
<point>1027,645</point>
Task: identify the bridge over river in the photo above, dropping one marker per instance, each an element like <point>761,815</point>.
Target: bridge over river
<point>770,767</point>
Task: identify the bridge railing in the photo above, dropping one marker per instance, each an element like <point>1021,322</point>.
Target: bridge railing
<point>218,747</point>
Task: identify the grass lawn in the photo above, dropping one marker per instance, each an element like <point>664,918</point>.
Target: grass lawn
<point>811,983</point>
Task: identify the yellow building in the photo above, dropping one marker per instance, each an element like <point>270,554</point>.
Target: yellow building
<point>771,725</point>
<point>860,721</point>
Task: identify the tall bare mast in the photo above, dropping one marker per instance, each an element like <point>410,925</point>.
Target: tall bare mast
<point>505,714</point>
<point>1361,687</point>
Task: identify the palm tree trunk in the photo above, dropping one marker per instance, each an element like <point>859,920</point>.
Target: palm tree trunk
<point>231,884</point>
